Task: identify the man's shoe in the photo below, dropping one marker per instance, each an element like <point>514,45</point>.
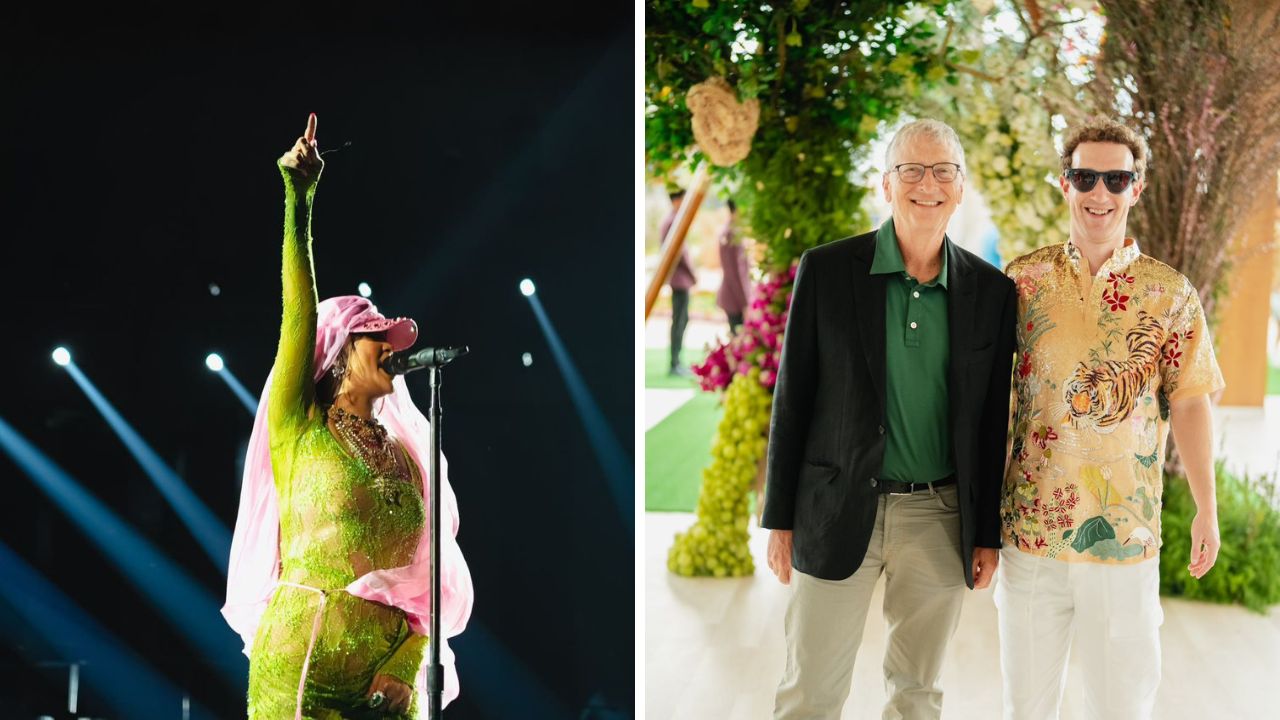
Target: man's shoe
<point>680,371</point>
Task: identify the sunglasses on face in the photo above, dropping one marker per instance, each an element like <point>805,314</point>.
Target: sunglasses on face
<point>1116,181</point>
<point>943,172</point>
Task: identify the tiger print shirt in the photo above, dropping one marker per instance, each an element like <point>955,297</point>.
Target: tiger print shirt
<point>1099,360</point>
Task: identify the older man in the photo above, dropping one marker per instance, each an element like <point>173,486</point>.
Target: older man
<point>887,442</point>
<point>1112,348</point>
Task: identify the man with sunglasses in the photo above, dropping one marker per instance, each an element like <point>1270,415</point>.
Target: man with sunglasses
<point>1113,348</point>
<point>887,440</point>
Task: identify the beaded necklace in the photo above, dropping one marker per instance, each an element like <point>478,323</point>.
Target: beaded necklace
<point>369,441</point>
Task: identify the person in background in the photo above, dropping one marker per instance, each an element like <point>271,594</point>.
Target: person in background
<point>736,285</point>
<point>681,281</point>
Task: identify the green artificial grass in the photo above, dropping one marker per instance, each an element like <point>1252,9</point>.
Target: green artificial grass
<point>675,452</point>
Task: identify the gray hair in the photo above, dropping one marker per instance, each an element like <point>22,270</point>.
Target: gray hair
<point>933,129</point>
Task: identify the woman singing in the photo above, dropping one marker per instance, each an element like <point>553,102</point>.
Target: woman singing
<point>329,582</point>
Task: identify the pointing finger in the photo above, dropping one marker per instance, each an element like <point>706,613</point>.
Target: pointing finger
<point>310,135</point>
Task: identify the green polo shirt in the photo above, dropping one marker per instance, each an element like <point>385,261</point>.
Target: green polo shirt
<point>916,349</point>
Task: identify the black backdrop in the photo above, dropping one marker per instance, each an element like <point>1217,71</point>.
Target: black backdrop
<point>489,143</point>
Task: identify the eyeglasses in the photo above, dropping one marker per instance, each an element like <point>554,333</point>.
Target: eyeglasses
<point>914,172</point>
<point>1117,181</point>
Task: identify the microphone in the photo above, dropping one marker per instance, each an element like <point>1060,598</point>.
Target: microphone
<point>400,363</point>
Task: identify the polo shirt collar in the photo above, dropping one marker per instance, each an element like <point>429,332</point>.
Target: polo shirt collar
<point>888,256</point>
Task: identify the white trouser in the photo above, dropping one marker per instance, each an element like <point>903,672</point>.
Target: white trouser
<point>1108,614</point>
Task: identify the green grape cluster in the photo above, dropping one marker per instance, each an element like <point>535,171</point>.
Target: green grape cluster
<point>716,544</point>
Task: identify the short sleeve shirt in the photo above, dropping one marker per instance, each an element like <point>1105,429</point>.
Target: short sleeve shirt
<point>1100,359</point>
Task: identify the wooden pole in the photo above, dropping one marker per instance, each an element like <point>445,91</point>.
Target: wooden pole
<point>673,243</point>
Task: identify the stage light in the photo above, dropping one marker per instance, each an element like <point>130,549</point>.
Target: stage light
<point>178,598</point>
<point>613,459</point>
<point>527,359</point>
<point>365,290</point>
<point>526,287</point>
<point>214,290</point>
<point>62,356</point>
<point>214,362</point>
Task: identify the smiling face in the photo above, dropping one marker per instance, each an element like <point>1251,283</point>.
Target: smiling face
<point>925,206</point>
<point>1099,217</point>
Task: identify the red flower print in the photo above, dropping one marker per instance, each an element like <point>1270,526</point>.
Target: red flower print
<point>1171,357</point>
<point>1057,493</point>
<point>1117,279</point>
<point>1024,365</point>
<point>1188,335</point>
<point>1023,542</point>
<point>1065,521</point>
<point>1030,325</point>
<point>1042,438</point>
<point>1049,524</point>
<point>1115,301</point>
<point>1071,503</point>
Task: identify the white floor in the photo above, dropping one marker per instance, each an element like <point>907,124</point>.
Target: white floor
<point>714,650</point>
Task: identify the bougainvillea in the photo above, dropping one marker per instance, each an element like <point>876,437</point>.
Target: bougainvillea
<point>759,344</point>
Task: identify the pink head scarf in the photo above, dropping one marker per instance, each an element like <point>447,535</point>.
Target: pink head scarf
<point>255,556</point>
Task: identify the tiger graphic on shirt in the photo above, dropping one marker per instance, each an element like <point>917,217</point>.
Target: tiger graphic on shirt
<point>1103,396</point>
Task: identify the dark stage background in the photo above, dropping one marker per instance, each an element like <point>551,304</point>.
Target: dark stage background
<point>489,143</point>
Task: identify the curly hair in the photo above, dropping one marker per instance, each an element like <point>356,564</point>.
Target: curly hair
<point>1103,129</point>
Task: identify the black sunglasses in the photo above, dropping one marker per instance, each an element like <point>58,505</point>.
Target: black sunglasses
<point>1117,181</point>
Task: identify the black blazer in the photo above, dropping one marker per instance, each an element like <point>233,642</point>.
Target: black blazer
<point>826,437</point>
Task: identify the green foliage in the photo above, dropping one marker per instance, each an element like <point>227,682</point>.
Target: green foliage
<point>716,544</point>
<point>826,77</point>
<point>1002,108</point>
<point>1248,568</point>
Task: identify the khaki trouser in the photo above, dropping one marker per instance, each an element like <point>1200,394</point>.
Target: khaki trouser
<point>916,544</point>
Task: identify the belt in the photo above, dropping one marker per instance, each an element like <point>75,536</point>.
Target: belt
<point>895,487</point>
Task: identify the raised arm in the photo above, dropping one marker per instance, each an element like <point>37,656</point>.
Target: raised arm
<point>292,386</point>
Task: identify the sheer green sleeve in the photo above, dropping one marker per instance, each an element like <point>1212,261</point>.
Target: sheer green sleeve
<point>292,386</point>
<point>405,661</point>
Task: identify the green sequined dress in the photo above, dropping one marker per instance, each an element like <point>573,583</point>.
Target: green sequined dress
<point>335,526</point>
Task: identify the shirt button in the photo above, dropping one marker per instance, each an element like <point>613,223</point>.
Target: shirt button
<point>913,326</point>
<point>915,294</point>
<point>873,482</point>
<point>881,429</point>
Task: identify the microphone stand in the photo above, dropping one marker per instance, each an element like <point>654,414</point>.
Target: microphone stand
<point>435,671</point>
